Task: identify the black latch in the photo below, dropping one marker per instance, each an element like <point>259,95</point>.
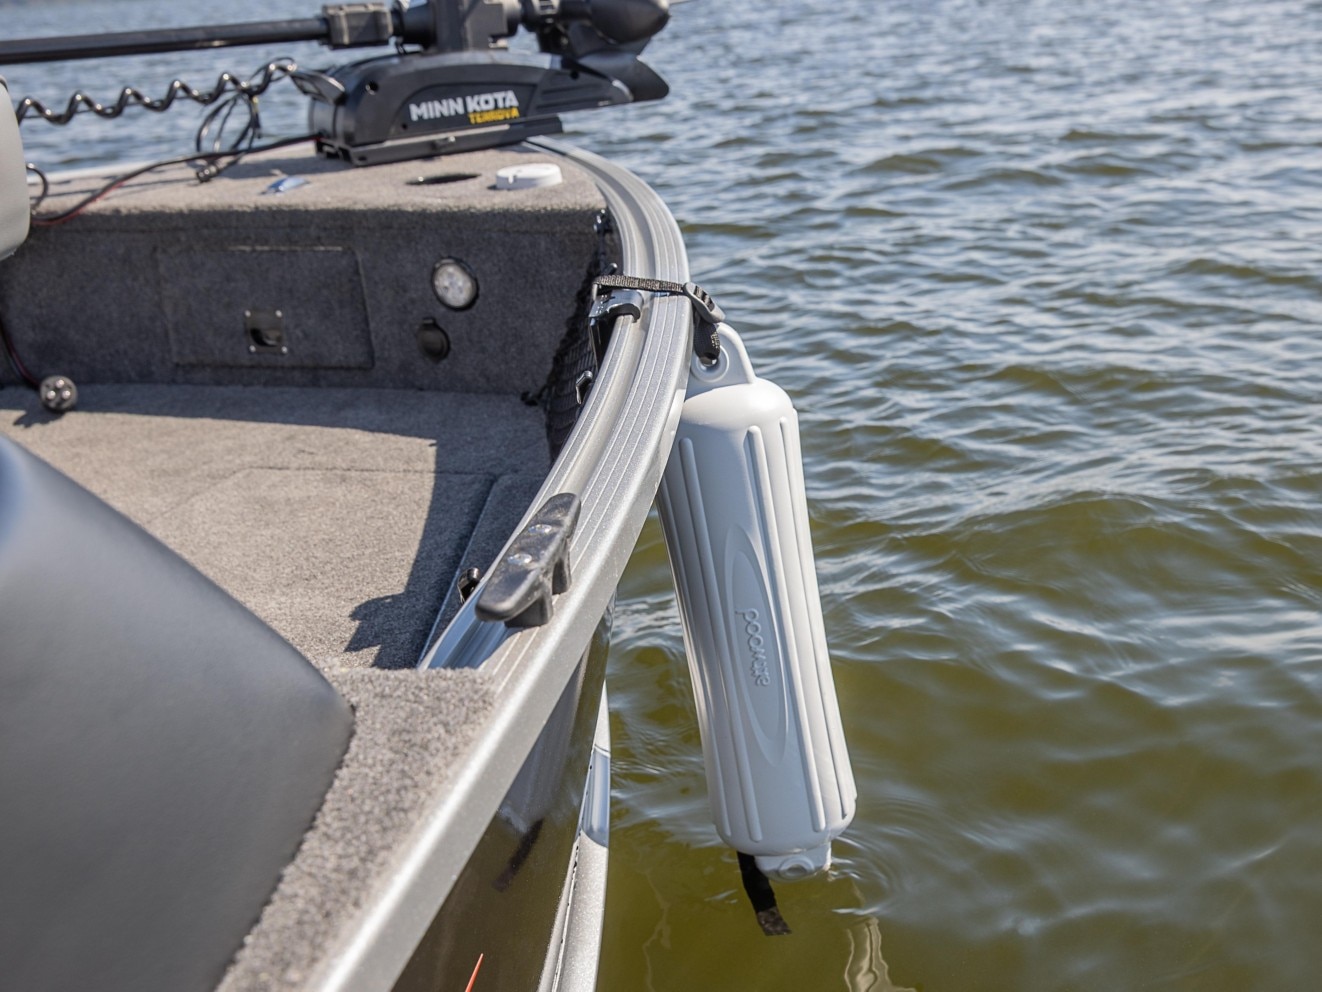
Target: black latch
<point>519,588</point>
<point>606,309</point>
<point>706,313</point>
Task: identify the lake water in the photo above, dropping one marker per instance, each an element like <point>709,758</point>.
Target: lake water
<point>1045,282</point>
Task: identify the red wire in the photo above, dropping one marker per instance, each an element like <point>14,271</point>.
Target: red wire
<point>50,220</point>
<point>61,218</point>
<point>476,968</point>
<point>17,362</point>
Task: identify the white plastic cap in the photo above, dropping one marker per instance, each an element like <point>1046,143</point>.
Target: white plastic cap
<point>792,867</point>
<point>528,176</point>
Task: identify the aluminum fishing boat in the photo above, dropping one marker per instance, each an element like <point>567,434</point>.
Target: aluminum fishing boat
<point>319,465</point>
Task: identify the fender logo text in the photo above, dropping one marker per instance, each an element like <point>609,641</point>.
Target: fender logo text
<point>758,669</point>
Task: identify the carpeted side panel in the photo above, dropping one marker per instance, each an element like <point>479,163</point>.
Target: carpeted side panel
<point>154,283</point>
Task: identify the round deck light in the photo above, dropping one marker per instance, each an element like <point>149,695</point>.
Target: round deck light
<point>454,284</point>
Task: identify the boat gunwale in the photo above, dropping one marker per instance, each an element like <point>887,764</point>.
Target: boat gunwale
<point>613,461</point>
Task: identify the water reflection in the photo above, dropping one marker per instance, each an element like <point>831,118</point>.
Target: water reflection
<point>866,969</point>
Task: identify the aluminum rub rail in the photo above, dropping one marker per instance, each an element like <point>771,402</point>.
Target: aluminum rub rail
<point>613,461</point>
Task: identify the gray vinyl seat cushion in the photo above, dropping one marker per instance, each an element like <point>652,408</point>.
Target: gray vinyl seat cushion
<point>162,751</point>
<point>14,210</point>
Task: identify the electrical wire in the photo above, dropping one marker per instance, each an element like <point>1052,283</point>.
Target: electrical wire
<point>11,353</point>
<point>209,171</point>
<point>254,86</point>
<point>15,362</point>
<point>247,98</point>
<point>45,186</point>
<point>224,111</point>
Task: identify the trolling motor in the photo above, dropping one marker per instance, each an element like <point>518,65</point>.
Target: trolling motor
<point>452,85</point>
<point>466,90</point>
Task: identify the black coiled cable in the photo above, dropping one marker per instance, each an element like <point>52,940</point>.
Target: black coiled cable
<point>242,93</point>
<point>254,86</point>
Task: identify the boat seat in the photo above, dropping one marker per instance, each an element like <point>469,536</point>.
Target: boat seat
<point>14,209</point>
<point>162,751</point>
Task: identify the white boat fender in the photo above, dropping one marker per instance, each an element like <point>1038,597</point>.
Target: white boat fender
<point>735,518</point>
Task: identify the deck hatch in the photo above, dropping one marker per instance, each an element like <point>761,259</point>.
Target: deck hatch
<point>210,296</point>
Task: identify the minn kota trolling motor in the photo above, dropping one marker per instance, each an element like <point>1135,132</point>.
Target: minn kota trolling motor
<point>731,501</point>
<point>452,85</point>
<point>465,89</point>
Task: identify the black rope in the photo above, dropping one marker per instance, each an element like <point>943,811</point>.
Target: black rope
<point>760,894</point>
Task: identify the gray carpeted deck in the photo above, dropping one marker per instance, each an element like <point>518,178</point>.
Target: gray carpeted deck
<point>341,517</point>
<point>336,490</point>
<point>408,727</point>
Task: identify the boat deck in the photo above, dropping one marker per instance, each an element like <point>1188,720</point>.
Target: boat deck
<point>338,490</point>
<point>341,517</point>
